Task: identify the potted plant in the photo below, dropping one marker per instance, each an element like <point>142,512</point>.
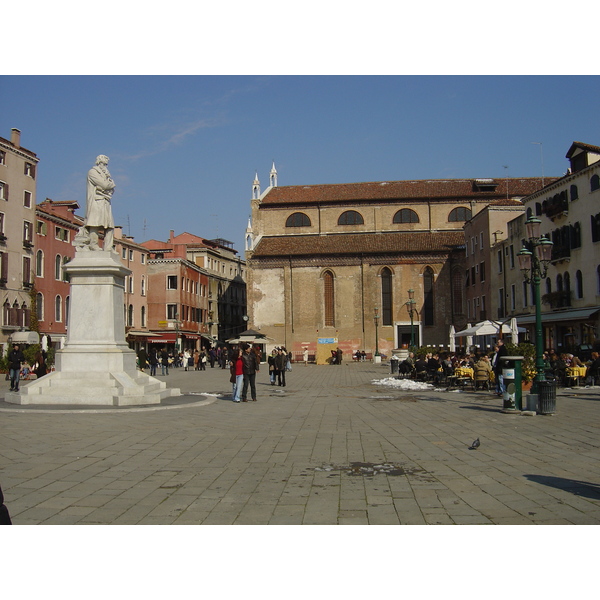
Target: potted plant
<point>528,371</point>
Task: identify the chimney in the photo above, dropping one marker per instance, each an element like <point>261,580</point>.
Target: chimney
<point>171,235</point>
<point>15,137</point>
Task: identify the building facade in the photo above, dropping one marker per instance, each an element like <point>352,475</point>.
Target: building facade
<point>135,258</point>
<point>569,211</point>
<point>55,228</point>
<point>333,264</point>
<point>18,168</point>
<point>486,293</point>
<point>222,285</point>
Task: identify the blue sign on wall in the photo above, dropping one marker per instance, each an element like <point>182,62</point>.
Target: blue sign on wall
<point>327,340</point>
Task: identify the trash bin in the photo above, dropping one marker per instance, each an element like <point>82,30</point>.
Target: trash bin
<point>547,397</point>
<point>394,364</point>
<point>511,376</point>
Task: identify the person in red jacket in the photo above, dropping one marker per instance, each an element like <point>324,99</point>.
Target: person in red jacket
<point>236,368</point>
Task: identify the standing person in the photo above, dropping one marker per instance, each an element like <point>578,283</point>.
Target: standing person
<point>305,356</point>
<point>338,356</point>
<point>212,357</point>
<point>288,359</point>
<point>497,364</point>
<point>39,366</point>
<point>250,369</point>
<point>164,361</point>
<point>196,360</point>
<point>236,368</point>
<point>4,514</point>
<point>142,359</point>
<point>280,361</point>
<point>272,367</point>
<point>186,360</point>
<point>202,361</point>
<point>15,358</point>
<point>224,357</point>
<point>153,360</point>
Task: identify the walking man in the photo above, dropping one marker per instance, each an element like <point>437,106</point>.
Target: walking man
<point>15,359</point>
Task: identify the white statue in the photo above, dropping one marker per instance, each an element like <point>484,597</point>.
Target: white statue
<point>98,214</point>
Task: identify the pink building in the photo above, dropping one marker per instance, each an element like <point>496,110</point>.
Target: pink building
<point>55,227</point>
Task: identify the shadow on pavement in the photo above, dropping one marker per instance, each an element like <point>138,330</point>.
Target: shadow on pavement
<point>579,488</point>
<point>484,408</point>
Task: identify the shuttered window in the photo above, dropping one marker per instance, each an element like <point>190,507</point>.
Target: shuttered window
<point>329,299</point>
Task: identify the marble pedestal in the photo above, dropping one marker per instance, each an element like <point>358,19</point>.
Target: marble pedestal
<point>96,367</point>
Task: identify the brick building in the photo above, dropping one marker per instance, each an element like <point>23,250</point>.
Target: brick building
<point>216,307</point>
<point>332,264</point>
<point>55,228</point>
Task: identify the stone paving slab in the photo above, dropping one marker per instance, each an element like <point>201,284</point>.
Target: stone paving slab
<point>329,448</point>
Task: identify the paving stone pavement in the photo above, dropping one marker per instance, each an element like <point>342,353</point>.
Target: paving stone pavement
<point>329,448</point>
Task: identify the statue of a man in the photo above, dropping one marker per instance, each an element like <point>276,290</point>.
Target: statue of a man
<point>98,214</point>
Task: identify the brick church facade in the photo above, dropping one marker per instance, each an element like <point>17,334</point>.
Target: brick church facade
<point>332,264</point>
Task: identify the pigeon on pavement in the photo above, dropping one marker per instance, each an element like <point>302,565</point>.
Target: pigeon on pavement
<point>475,444</point>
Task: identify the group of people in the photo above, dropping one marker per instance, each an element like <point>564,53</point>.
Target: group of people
<point>488,368</point>
<point>195,360</point>
<point>556,366</point>
<point>279,362</point>
<point>244,364</point>
<point>19,368</point>
<point>360,356</point>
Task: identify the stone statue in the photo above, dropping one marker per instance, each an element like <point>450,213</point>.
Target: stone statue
<point>98,214</point>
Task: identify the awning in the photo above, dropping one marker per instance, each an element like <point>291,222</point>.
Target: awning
<point>142,333</point>
<point>565,315</point>
<point>164,337</point>
<point>25,337</point>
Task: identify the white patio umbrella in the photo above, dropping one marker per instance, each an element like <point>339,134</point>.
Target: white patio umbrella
<point>452,344</point>
<point>514,331</point>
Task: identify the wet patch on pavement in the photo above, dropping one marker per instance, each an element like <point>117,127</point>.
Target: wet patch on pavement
<point>364,469</point>
<point>390,398</point>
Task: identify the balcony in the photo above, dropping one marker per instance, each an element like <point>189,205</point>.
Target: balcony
<point>561,299</point>
<point>557,206</point>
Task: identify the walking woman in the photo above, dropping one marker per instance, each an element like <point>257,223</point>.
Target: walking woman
<point>236,368</point>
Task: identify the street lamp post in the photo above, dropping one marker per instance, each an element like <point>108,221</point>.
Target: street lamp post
<point>376,319</point>
<point>410,307</point>
<point>534,259</point>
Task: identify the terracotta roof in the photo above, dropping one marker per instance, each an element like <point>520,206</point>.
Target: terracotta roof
<point>506,202</point>
<point>435,189</point>
<point>582,146</point>
<point>359,243</point>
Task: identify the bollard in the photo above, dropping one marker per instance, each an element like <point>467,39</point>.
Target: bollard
<point>511,374</point>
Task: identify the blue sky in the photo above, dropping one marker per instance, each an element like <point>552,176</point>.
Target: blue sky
<point>184,149</point>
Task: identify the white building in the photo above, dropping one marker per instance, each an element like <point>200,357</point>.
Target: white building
<point>569,209</point>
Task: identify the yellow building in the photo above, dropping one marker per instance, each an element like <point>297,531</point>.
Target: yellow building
<point>17,217</point>
<point>332,265</point>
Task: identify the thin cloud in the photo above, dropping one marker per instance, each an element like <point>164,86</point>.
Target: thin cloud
<point>177,138</point>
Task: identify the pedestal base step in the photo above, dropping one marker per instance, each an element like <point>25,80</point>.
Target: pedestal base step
<point>95,388</point>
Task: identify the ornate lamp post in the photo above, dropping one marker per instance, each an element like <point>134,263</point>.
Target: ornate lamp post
<point>376,319</point>
<point>410,307</point>
<point>533,262</point>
